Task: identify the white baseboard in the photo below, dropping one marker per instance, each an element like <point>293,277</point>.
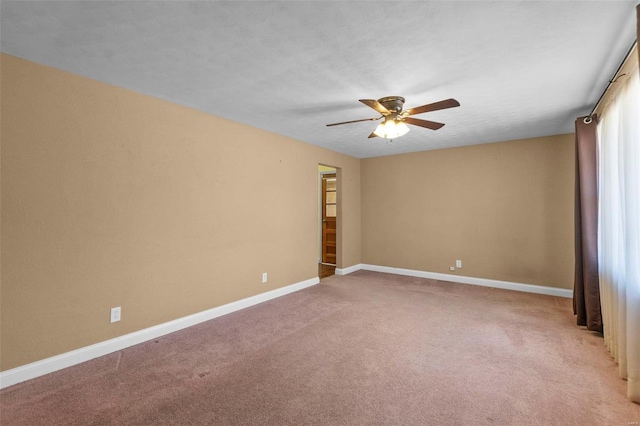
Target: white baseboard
<point>58,362</point>
<point>528,288</point>
<point>68,359</point>
<point>348,270</point>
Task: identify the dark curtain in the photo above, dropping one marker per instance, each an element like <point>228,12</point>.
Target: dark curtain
<point>586,288</point>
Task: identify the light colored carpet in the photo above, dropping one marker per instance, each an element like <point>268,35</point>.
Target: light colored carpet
<point>366,348</point>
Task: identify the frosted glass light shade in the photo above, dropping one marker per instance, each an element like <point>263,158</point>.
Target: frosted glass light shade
<point>391,129</point>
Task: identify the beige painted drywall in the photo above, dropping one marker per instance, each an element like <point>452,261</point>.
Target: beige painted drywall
<point>505,209</point>
<point>112,198</point>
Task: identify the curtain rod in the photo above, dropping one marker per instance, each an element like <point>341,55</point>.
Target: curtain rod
<point>587,119</point>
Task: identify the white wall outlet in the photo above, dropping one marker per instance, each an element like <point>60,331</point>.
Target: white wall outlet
<point>458,264</point>
<point>264,277</point>
<point>452,268</point>
<point>115,314</point>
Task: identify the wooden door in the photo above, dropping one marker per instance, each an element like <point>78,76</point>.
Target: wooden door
<point>329,213</point>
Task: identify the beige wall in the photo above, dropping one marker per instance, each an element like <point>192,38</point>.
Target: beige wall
<point>505,209</point>
<point>113,198</point>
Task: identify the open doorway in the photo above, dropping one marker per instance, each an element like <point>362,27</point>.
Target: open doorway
<point>328,214</point>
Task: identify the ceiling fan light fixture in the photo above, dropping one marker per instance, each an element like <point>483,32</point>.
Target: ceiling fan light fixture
<point>396,118</point>
<point>391,129</point>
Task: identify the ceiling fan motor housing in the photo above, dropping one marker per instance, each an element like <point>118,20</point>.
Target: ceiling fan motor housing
<point>392,103</point>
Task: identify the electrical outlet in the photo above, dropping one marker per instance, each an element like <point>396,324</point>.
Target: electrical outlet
<point>115,314</point>
<point>458,264</point>
<point>452,268</point>
<point>264,277</point>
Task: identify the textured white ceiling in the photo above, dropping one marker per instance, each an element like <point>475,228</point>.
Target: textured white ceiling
<point>519,68</point>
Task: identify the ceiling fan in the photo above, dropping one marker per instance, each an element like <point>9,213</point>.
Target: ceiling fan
<point>391,109</point>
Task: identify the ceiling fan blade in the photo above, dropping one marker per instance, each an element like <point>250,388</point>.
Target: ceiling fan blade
<point>354,121</point>
<point>447,103</point>
<point>423,123</point>
<point>375,105</point>
<point>373,135</point>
